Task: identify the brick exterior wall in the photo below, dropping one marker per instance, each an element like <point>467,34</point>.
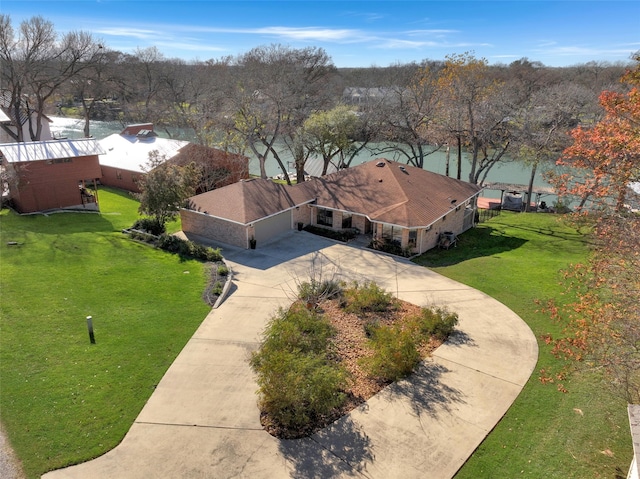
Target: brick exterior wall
<point>426,238</point>
<point>119,178</point>
<point>46,185</point>
<point>214,228</point>
<point>302,215</point>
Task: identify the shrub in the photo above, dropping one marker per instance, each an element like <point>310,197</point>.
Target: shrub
<point>186,248</point>
<point>169,243</point>
<point>297,381</point>
<point>390,246</point>
<point>367,297</point>
<point>222,270</point>
<point>395,353</point>
<point>298,329</point>
<point>314,291</point>
<point>342,235</point>
<point>297,388</point>
<point>436,322</point>
<point>150,225</point>
<point>217,288</point>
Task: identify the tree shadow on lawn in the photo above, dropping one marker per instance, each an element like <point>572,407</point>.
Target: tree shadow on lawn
<point>475,243</point>
<point>56,223</point>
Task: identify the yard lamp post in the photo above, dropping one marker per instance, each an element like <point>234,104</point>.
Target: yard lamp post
<point>90,328</point>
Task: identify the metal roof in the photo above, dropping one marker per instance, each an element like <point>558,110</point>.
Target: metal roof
<point>49,150</point>
<point>128,152</point>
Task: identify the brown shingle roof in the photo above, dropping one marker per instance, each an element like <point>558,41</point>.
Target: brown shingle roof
<point>383,190</point>
<point>247,200</point>
<point>390,192</point>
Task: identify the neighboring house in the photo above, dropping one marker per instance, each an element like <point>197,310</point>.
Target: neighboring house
<point>382,199</point>
<point>371,96</point>
<point>12,121</point>
<point>47,175</point>
<point>127,155</point>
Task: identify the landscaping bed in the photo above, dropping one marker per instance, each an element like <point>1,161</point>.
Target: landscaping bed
<point>320,360</point>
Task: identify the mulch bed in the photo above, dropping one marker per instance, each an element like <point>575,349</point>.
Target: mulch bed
<point>350,344</point>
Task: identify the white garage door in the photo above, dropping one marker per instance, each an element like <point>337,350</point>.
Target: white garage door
<point>273,226</point>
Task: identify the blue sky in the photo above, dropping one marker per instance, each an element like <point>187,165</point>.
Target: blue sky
<point>356,33</point>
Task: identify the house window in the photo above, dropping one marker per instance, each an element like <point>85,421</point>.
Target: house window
<point>347,220</point>
<point>325,217</point>
<point>413,238</point>
<point>392,234</point>
<point>56,161</point>
<point>118,174</point>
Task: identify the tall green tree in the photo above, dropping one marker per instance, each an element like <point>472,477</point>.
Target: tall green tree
<point>165,187</point>
<point>331,133</point>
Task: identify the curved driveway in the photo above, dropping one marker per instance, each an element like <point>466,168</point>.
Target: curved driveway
<point>202,420</point>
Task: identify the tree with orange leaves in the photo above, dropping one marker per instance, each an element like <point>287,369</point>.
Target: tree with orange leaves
<point>607,155</point>
<point>603,324</point>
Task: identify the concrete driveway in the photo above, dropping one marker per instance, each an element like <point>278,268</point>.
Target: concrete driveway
<point>202,420</point>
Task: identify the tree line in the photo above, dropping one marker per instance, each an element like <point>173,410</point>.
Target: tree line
<point>275,98</point>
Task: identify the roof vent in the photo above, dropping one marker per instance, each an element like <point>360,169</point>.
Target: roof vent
<point>380,164</point>
<point>404,170</point>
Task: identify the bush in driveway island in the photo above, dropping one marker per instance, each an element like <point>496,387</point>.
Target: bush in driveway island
<point>317,363</point>
<point>298,382</point>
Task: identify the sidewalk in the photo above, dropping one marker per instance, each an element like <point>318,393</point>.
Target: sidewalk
<point>202,420</point>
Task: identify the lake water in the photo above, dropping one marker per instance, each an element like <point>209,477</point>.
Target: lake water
<point>512,172</point>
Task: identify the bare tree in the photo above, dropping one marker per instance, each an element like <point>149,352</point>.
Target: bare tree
<point>36,63</point>
<point>195,93</point>
<point>96,86</point>
<point>544,122</point>
<point>465,87</point>
<point>406,113</point>
<point>277,87</point>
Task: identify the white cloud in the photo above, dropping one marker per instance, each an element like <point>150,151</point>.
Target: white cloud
<point>142,34</point>
<point>307,33</point>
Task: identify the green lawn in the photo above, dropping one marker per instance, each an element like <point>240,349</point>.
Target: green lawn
<point>62,399</point>
<point>516,258</point>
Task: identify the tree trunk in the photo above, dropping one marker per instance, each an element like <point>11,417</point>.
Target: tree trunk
<point>534,167</point>
<point>459,157</point>
<point>447,163</point>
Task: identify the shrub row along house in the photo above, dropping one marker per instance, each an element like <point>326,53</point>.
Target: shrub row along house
<point>383,199</point>
<point>65,174</point>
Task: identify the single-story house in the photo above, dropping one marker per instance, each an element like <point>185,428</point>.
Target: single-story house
<point>382,199</point>
<point>46,175</point>
<point>256,208</point>
<point>127,154</point>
